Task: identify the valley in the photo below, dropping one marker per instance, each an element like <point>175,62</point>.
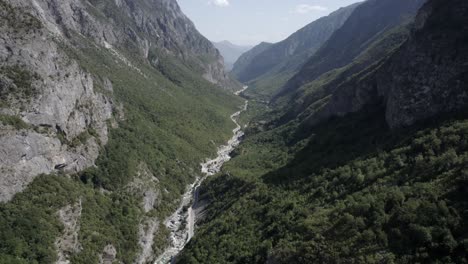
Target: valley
<point>127,136</point>
<point>182,222</point>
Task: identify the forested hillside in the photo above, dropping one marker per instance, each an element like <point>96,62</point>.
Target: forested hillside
<point>326,175</point>
<point>107,109</point>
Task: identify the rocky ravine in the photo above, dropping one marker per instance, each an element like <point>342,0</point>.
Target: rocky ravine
<point>182,222</point>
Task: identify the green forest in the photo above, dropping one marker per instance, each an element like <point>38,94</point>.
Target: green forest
<point>352,192</point>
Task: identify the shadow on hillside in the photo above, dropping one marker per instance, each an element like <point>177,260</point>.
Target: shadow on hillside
<point>343,139</point>
<point>333,143</point>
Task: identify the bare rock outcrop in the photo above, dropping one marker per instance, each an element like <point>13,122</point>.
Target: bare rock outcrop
<point>109,255</point>
<point>46,90</point>
<point>152,24</point>
<point>56,98</point>
<point>146,233</point>
<point>145,184</point>
<point>426,76</point>
<point>68,243</point>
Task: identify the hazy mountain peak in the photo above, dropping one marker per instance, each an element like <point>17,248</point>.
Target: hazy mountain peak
<point>230,52</point>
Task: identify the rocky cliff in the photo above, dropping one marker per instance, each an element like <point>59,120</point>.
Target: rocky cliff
<point>107,109</point>
<point>426,76</point>
<point>369,22</point>
<point>57,120</point>
<point>138,26</point>
<point>54,113</point>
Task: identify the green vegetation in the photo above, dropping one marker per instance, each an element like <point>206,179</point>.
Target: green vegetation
<point>349,191</point>
<point>79,140</point>
<point>109,219</point>
<point>3,104</point>
<point>265,87</point>
<point>14,121</point>
<point>171,119</point>
<point>29,224</point>
<point>21,87</point>
<point>18,20</point>
<point>168,125</point>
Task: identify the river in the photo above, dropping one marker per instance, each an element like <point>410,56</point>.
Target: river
<point>182,222</point>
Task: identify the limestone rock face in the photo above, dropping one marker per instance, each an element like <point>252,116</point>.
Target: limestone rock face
<point>68,243</point>
<point>436,78</point>
<point>40,85</point>
<point>146,185</point>
<point>146,233</point>
<point>424,77</point>
<point>108,255</point>
<point>141,25</point>
<point>49,92</point>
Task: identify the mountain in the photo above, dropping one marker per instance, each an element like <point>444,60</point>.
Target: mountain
<point>230,52</point>
<point>247,57</point>
<point>411,93</point>
<point>107,109</point>
<point>288,55</point>
<point>369,163</point>
<point>346,57</point>
<point>354,37</point>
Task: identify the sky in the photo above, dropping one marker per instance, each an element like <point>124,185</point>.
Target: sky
<point>249,22</point>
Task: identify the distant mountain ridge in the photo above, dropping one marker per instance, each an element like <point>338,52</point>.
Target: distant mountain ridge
<point>424,77</point>
<point>322,89</point>
<point>286,57</point>
<point>246,58</point>
<point>230,52</point>
<point>362,159</point>
<point>354,37</point>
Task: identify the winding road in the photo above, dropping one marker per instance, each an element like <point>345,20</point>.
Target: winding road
<point>182,222</point>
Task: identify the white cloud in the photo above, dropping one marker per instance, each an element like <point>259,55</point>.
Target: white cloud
<point>221,3</point>
<point>306,8</point>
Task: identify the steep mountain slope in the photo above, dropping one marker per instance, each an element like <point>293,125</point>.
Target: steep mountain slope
<point>290,54</point>
<point>433,82</point>
<point>247,57</point>
<point>348,188</point>
<point>106,110</point>
<point>230,52</point>
<point>295,48</point>
<point>367,23</point>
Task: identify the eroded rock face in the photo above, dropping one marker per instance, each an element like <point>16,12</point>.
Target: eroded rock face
<point>435,79</point>
<point>426,76</point>
<point>150,24</point>
<point>146,233</point>
<point>108,255</point>
<point>53,96</point>
<point>58,99</point>
<point>146,185</point>
<point>68,243</point>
